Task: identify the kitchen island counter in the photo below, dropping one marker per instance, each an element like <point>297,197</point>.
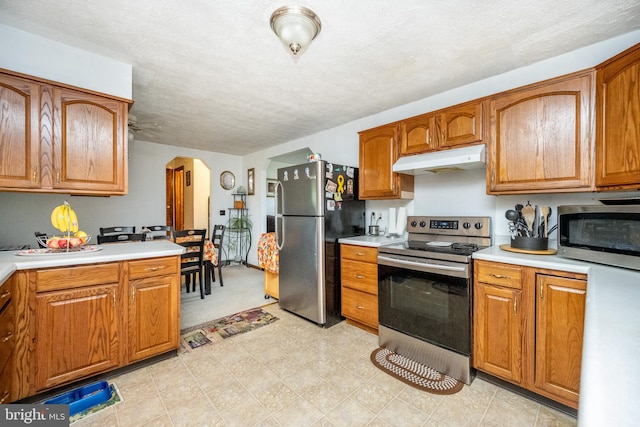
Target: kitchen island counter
<point>609,379</point>
<point>10,262</point>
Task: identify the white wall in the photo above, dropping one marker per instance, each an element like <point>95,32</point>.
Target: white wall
<point>34,55</point>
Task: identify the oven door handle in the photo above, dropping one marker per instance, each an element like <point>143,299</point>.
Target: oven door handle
<point>396,261</point>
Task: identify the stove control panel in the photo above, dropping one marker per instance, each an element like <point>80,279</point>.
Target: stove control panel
<point>458,226</point>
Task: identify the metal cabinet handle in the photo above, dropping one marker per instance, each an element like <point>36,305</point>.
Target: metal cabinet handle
<point>360,253</point>
<point>541,292</point>
<point>57,175</point>
<point>7,337</point>
<point>360,307</point>
<point>34,174</point>
<point>153,268</point>
<point>499,276</point>
<point>515,306</point>
<point>4,396</point>
<point>5,294</point>
<point>358,276</point>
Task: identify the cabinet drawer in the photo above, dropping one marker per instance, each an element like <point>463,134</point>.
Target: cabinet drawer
<point>6,292</point>
<point>360,306</point>
<point>362,276</point>
<point>76,277</point>
<point>359,253</point>
<point>499,274</point>
<point>7,333</point>
<point>152,267</point>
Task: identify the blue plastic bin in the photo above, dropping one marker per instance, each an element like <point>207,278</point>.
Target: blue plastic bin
<point>83,398</point>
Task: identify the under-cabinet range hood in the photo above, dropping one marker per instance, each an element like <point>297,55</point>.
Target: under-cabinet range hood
<point>464,158</point>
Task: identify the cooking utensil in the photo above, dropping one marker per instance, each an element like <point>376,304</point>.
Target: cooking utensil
<point>512,215</point>
<point>536,222</point>
<point>529,215</point>
<point>545,211</point>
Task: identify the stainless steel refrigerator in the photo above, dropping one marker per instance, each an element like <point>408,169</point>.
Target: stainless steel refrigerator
<point>316,204</point>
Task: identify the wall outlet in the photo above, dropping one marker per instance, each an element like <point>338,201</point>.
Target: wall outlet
<point>222,212</point>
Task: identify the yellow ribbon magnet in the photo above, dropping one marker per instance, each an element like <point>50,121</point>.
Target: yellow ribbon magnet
<point>340,184</point>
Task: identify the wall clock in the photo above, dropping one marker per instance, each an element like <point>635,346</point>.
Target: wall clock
<point>227,180</point>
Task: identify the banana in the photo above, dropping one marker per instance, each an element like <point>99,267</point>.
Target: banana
<point>57,215</point>
<point>64,218</point>
<point>73,220</point>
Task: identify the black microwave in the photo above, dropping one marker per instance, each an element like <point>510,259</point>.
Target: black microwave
<point>604,234</point>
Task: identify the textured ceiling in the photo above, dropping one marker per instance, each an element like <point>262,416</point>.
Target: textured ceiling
<point>213,76</point>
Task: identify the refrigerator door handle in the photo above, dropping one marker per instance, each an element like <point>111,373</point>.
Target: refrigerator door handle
<point>279,236</point>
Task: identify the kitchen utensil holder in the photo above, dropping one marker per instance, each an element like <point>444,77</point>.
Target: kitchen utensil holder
<point>374,230</point>
<point>530,243</point>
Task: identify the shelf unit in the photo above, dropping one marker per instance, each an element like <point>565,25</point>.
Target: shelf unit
<point>237,241</point>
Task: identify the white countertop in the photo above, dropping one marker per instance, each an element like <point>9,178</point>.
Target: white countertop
<point>374,241</point>
<point>10,262</point>
<point>610,382</point>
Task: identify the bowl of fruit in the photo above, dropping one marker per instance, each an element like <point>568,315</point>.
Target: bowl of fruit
<point>68,242</point>
<point>71,238</point>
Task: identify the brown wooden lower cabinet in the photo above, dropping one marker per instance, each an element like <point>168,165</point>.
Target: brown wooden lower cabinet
<point>79,321</point>
<point>154,299</point>
<point>77,333</point>
<point>528,327</point>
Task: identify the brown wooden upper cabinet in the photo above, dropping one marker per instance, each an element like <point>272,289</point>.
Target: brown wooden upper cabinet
<point>541,137</point>
<point>57,139</point>
<point>618,121</point>
<point>459,125</point>
<point>378,153</point>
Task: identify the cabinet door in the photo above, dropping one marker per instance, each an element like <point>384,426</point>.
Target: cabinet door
<point>377,155</point>
<point>560,305</point>
<point>417,135</point>
<point>541,138</point>
<point>77,334</point>
<point>89,151</point>
<point>498,331</point>
<point>460,125</point>
<point>19,133</point>
<point>618,122</point>
<point>153,316</point>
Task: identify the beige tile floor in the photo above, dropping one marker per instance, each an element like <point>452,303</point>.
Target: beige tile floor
<point>293,373</point>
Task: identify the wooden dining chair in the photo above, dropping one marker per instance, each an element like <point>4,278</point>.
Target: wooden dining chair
<point>191,262</point>
<point>160,232</point>
<point>120,238</point>
<point>216,239</point>
<point>117,230</point>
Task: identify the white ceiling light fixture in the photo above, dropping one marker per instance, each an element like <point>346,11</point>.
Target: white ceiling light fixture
<point>295,26</point>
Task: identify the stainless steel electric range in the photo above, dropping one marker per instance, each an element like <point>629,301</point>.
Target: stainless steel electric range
<point>425,292</point>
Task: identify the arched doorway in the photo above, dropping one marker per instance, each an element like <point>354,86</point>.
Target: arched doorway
<point>188,194</point>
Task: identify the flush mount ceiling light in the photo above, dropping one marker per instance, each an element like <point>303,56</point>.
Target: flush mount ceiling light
<point>295,26</point>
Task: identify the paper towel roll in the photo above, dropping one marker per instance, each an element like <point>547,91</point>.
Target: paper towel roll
<point>392,221</point>
<point>402,221</point>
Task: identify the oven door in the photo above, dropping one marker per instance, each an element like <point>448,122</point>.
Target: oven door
<point>430,306</point>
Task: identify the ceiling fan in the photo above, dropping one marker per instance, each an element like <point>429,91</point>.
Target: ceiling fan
<point>143,129</point>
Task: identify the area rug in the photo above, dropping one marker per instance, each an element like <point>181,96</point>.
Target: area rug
<point>216,330</point>
<point>413,373</point>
